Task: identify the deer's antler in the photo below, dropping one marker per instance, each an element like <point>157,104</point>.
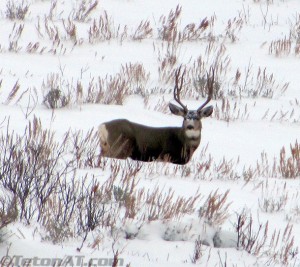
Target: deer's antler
<point>179,78</point>
<point>210,86</point>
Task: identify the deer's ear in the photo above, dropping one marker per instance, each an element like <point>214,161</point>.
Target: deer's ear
<point>206,112</point>
<point>176,110</point>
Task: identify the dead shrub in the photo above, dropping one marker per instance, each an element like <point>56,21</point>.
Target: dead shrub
<point>289,167</point>
<point>281,47</point>
<point>215,56</point>
<point>83,9</point>
<point>231,111</point>
<point>143,31</point>
<point>249,237</point>
<point>116,89</point>
<point>273,199</point>
<point>197,255</point>
<point>102,29</point>
<point>71,30</point>
<point>85,148</point>
<point>8,210</point>
<point>55,98</point>
<point>30,167</point>
<point>160,205</point>
<point>261,84</point>
<point>95,209</point>
<point>14,38</point>
<point>233,27</point>
<point>57,91</point>
<point>215,208</point>
<point>168,30</point>
<point>194,32</point>
<point>12,93</point>
<point>167,57</point>
<point>60,211</point>
<point>282,247</point>
<point>16,10</point>
<point>136,76</point>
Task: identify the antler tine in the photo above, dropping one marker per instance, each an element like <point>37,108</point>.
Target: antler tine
<point>177,87</point>
<point>210,87</point>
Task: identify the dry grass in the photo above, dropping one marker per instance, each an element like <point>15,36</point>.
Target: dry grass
<point>233,28</point>
<point>83,10</point>
<point>16,10</point>
<point>255,238</point>
<point>289,167</point>
<point>282,247</point>
<point>285,167</point>
<point>170,31</point>
<point>197,251</point>
<point>57,91</point>
<point>71,30</point>
<point>215,208</point>
<point>273,199</point>
<point>167,57</point>
<point>8,211</point>
<point>12,93</point>
<point>30,170</point>
<point>14,38</point>
<point>143,31</point>
<point>231,111</point>
<point>281,47</point>
<point>111,89</point>
<point>250,237</point>
<point>86,148</point>
<point>136,76</point>
<point>261,84</point>
<point>102,29</point>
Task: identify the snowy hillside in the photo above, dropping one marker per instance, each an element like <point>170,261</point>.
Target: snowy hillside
<point>68,66</point>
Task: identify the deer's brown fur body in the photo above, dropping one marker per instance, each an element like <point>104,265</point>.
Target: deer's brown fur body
<point>122,138</point>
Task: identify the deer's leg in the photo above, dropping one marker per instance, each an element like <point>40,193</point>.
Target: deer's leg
<point>164,157</point>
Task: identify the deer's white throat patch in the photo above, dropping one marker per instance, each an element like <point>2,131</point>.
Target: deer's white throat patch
<point>192,133</point>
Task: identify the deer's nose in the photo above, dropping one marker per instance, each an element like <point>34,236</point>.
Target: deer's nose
<point>190,127</point>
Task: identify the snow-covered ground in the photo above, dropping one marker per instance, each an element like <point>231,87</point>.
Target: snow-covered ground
<point>255,48</point>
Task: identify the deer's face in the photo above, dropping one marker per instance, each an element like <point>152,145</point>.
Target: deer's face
<point>191,119</point>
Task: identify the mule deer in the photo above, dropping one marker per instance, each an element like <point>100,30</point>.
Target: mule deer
<point>122,138</point>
